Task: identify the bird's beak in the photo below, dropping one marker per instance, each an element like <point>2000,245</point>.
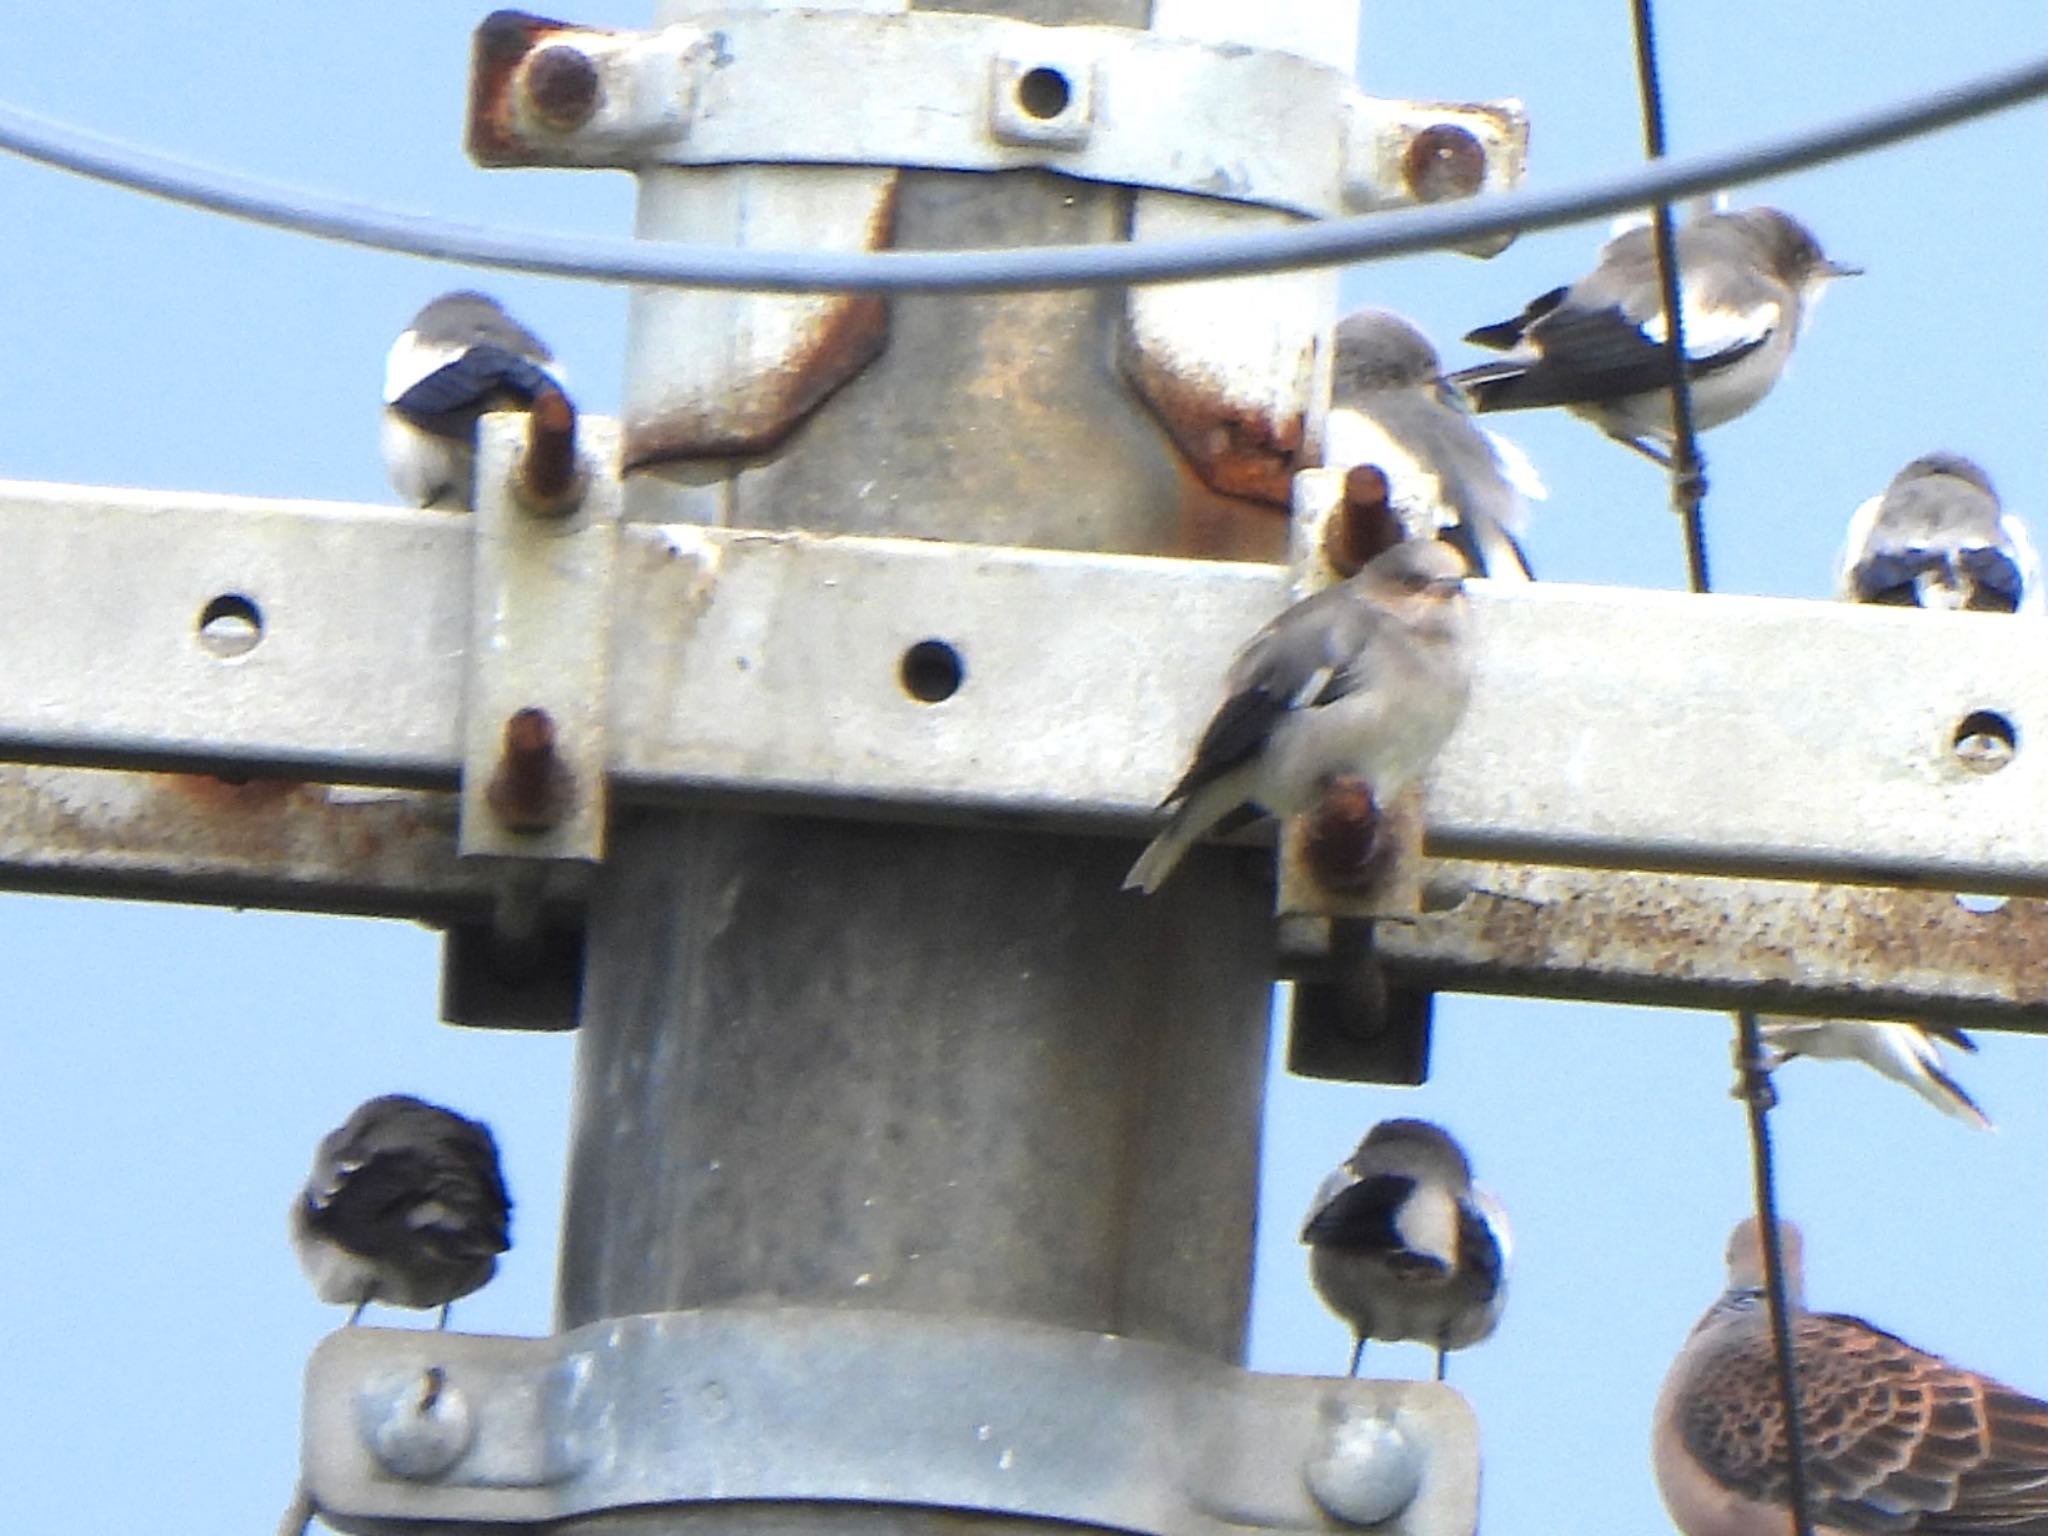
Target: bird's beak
<point>1841,269</point>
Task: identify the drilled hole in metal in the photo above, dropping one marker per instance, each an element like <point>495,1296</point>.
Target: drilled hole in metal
<point>932,671</point>
<point>1985,741</point>
<point>1043,92</point>
<point>230,625</point>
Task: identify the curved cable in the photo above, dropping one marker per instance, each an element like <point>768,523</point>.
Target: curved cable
<point>1327,243</point>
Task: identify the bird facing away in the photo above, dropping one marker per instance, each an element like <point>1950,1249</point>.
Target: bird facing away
<point>461,356</point>
<point>1897,1441</point>
<point>1747,282</point>
<point>1390,407</point>
<point>1936,538</point>
<point>1939,538</point>
<point>1363,679</point>
<point>405,1206</point>
<point>1403,1245</point>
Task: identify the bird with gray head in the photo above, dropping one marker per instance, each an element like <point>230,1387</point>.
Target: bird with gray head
<point>1940,538</point>
<point>1897,1441</point>
<point>1937,538</point>
<point>1364,679</point>
<point>1748,281</point>
<point>405,1206</point>
<point>1447,477</point>
<point>461,356</point>
<point>1403,1245</point>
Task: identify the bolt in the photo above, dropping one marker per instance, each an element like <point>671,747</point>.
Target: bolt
<point>562,86</point>
<point>1444,161</point>
<point>531,788</point>
<point>1342,846</point>
<point>1365,1471</point>
<point>417,1424</point>
<point>547,480</point>
<point>1365,525</point>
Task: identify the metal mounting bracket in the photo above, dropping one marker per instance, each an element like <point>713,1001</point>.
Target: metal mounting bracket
<point>792,85</point>
<point>875,1409</point>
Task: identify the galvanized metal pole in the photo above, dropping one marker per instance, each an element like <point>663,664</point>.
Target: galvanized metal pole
<point>947,1071</point>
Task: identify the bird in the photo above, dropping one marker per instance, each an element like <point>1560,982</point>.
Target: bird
<point>1403,1245</point>
<point>1366,679</point>
<point>1938,537</point>
<point>461,356</point>
<point>1390,407</point>
<point>1748,281</point>
<point>1906,1053</point>
<point>1897,1441</point>
<point>405,1206</point>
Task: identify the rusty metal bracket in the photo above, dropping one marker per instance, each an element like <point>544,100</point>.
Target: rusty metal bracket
<point>822,86</point>
<point>537,697</point>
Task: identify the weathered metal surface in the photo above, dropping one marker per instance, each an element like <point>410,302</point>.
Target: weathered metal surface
<point>1595,935</point>
<point>1691,942</point>
<point>1607,726</point>
<point>868,1410</point>
<point>536,697</point>
<point>262,843</point>
<point>1280,123</point>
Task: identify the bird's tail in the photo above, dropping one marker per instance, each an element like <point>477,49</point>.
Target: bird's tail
<point>1163,853</point>
<point>1493,386</point>
<point>1948,1096</point>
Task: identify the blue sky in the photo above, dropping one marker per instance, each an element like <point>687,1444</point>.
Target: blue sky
<point>164,1072</point>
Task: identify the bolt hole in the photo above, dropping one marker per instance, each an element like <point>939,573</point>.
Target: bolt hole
<point>931,671</point>
<point>1044,93</point>
<point>1985,741</point>
<point>230,625</point>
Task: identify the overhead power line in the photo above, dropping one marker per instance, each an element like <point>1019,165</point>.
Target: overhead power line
<point>1330,242</point>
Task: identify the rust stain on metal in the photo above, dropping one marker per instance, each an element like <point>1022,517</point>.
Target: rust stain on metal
<point>264,843</point>
<point>752,413</point>
<point>1214,526</point>
<point>562,86</point>
<point>1442,162</point>
<point>1237,450</point>
<point>1889,950</point>
<point>1341,842</point>
<point>499,47</point>
<point>1365,525</point>
<point>548,483</point>
<point>531,787</point>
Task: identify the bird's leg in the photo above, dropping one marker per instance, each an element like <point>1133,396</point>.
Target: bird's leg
<point>1441,1355</point>
<point>1656,456</point>
<point>298,1514</point>
<point>446,1308</point>
<point>1357,1352</point>
<point>357,1315</point>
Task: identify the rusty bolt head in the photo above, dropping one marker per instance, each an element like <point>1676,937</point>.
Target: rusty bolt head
<point>1342,845</point>
<point>1364,526</point>
<point>1444,161</point>
<point>531,788</point>
<point>548,482</point>
<point>562,87</point>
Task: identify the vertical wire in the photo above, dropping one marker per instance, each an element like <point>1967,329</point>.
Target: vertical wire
<point>1758,1096</point>
<point>1688,493</point>
<point>1688,478</point>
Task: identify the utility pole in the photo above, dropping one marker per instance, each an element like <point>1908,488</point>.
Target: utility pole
<point>914,1166</point>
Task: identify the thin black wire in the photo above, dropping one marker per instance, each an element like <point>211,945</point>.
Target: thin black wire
<point>1329,242</point>
<point>1688,478</point>
<point>1688,494</point>
<point>1758,1096</point>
